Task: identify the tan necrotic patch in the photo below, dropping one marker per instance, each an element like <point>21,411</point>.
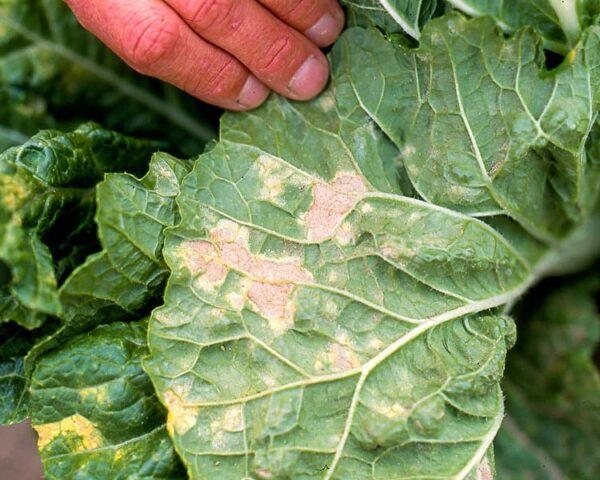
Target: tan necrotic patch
<point>270,283</point>
<point>275,303</point>
<point>484,470</point>
<point>331,203</point>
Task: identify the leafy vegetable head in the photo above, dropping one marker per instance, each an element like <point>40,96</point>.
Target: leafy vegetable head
<point>340,271</point>
<point>46,189</point>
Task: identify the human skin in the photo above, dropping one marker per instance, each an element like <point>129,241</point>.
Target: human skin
<point>230,53</point>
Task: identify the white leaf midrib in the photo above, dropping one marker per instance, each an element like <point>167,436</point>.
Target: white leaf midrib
<point>412,30</point>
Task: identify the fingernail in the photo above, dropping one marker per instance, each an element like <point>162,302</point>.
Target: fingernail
<point>253,93</point>
<point>326,30</point>
<point>309,79</point>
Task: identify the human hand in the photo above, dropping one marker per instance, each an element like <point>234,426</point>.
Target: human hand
<point>230,53</point>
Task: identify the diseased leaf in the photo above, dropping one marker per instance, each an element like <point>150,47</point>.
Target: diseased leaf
<point>559,21</point>
<point>392,16</point>
<point>104,421</point>
<point>57,75</point>
<point>46,187</point>
<point>336,309</point>
<point>483,129</point>
<point>553,389</point>
<point>316,326</point>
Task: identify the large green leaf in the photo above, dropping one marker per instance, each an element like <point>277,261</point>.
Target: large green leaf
<point>46,207</point>
<point>553,387</point>
<point>55,74</point>
<point>392,16</point>
<point>482,127</point>
<point>559,21</point>
<point>317,323</point>
<point>95,411</point>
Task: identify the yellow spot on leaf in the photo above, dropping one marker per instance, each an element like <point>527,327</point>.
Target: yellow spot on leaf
<point>181,417</point>
<point>275,176</point>
<point>231,420</point>
<point>119,454</point>
<point>90,438</point>
<point>393,412</point>
<point>572,55</point>
<point>12,192</point>
<point>96,394</point>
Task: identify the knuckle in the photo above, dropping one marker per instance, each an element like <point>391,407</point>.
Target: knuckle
<point>210,14</point>
<point>222,81</point>
<point>150,39</point>
<point>278,56</point>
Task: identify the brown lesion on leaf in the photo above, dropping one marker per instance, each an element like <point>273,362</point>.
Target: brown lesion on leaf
<point>275,303</point>
<point>263,473</point>
<point>342,358</point>
<point>339,356</point>
<point>485,471</point>
<point>270,283</point>
<point>331,203</point>
<point>202,257</point>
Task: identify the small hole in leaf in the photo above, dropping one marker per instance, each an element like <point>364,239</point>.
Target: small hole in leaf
<point>552,59</point>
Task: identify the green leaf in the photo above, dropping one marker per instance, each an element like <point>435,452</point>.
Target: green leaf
<point>132,215</point>
<point>559,21</point>
<point>317,323</point>
<point>127,277</point>
<point>13,383</point>
<point>95,411</point>
<point>46,188</point>
<point>392,16</point>
<point>15,342</point>
<point>59,75</point>
<point>482,127</point>
<point>115,284</point>
<point>553,388</point>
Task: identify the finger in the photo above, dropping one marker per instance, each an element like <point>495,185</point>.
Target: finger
<point>153,39</point>
<point>281,57</point>
<point>321,21</point>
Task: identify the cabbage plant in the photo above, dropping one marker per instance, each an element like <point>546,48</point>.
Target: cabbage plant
<point>392,281</point>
